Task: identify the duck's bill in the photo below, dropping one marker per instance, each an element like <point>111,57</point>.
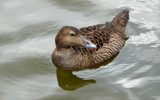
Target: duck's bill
<point>88,43</point>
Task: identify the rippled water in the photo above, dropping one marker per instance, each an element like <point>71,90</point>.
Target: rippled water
<point>28,29</point>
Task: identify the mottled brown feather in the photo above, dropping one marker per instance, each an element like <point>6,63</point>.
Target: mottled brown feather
<point>109,39</point>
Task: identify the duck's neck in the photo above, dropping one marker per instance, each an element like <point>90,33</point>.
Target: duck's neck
<point>59,48</point>
<point>66,51</point>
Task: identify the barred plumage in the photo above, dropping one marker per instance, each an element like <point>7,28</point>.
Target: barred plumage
<point>108,38</point>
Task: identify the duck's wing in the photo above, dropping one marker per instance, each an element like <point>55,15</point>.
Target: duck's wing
<point>96,34</point>
<point>116,38</point>
<point>109,38</point>
<point>91,29</point>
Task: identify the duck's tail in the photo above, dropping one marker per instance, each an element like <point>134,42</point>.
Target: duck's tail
<point>120,21</point>
<point>115,34</point>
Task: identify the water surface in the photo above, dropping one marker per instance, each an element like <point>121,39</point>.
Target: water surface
<point>27,33</point>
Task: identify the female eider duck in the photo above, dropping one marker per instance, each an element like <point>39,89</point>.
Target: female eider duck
<point>88,46</point>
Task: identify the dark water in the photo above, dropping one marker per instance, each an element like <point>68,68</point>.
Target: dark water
<point>28,29</point>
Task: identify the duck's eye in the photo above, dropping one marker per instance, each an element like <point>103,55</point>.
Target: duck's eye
<point>72,34</point>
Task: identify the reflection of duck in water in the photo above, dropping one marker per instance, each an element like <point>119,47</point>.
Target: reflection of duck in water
<point>68,81</point>
<point>83,48</point>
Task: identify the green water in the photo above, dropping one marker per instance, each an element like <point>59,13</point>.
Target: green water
<point>27,33</point>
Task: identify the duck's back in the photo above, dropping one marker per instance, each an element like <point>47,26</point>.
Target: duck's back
<point>109,39</point>
<point>97,34</point>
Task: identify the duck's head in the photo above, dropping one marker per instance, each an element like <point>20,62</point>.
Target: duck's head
<point>69,36</point>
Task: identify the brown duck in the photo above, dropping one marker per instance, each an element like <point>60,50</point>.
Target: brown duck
<point>85,47</point>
